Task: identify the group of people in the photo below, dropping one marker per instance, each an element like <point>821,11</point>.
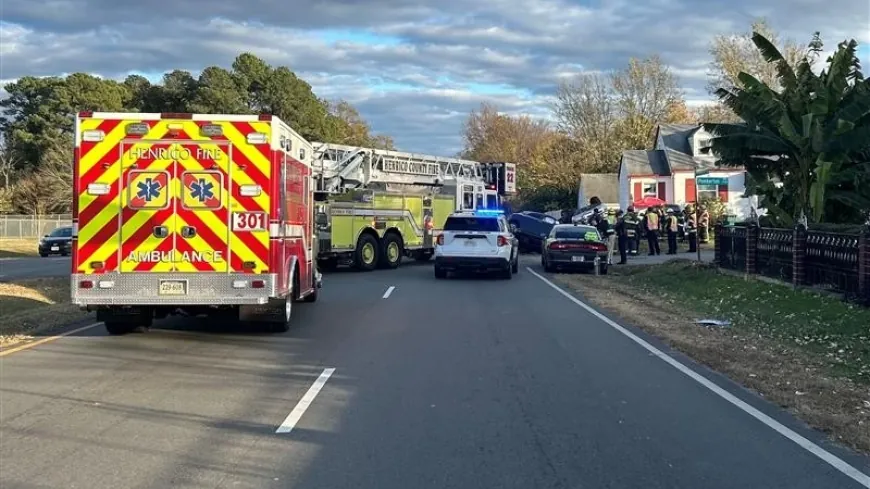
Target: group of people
<point>624,230</point>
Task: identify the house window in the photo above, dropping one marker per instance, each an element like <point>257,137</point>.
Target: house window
<point>650,190</point>
<point>707,192</point>
<point>713,192</point>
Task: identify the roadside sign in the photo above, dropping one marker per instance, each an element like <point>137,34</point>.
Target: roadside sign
<point>713,181</point>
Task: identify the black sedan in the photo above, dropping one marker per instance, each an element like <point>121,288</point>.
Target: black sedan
<point>57,242</point>
<point>575,247</point>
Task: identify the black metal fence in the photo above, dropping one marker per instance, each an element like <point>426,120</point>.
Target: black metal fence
<point>732,242</point>
<point>775,250</point>
<point>823,260</point>
<point>832,262</point>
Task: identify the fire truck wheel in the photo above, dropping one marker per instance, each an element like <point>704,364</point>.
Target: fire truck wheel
<point>391,253</point>
<point>366,256</point>
<point>119,328</point>
<point>312,297</point>
<point>283,312</point>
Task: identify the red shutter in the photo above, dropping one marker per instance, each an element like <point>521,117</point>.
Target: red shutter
<point>662,191</point>
<point>723,193</point>
<point>690,190</point>
<point>638,192</point>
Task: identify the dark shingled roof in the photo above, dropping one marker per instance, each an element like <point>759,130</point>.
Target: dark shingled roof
<point>605,186</point>
<point>641,162</point>
<point>679,161</point>
<point>676,136</point>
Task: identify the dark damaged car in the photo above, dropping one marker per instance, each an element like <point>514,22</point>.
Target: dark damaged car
<point>574,247</point>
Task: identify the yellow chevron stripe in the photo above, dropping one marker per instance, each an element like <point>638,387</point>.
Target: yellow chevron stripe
<point>148,244</point>
<point>111,175</point>
<point>239,177</point>
<point>110,247</point>
<point>219,227</point>
<point>101,149</point>
<point>90,229</point>
<point>240,143</point>
<point>199,244</point>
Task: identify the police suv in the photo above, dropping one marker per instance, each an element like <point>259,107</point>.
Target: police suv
<point>477,241</point>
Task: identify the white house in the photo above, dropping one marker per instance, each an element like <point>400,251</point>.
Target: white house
<point>668,171</point>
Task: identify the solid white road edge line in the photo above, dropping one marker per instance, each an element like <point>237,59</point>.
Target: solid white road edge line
<point>389,291</point>
<point>303,404</point>
<point>807,445</point>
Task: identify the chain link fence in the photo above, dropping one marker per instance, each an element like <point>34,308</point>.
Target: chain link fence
<point>16,226</point>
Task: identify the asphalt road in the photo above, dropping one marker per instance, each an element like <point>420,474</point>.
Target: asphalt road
<point>461,383</point>
<point>52,266</point>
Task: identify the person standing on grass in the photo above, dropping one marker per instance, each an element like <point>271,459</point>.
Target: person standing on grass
<point>651,219</point>
<point>621,229</point>
<point>692,233</point>
<point>703,225</point>
<point>672,227</point>
<point>632,230</point>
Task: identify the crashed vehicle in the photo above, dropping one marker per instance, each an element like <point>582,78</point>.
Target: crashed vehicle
<point>531,229</point>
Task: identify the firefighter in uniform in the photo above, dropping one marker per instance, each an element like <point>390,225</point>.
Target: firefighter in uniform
<point>632,225</point>
<point>703,225</point>
<point>651,219</point>
<point>611,235</point>
<point>692,233</point>
<point>672,227</point>
<point>621,229</point>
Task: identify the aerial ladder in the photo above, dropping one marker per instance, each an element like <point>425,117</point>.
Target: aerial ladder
<point>375,205</point>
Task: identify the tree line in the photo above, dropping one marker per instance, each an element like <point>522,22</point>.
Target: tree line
<point>37,122</point>
<point>803,137</point>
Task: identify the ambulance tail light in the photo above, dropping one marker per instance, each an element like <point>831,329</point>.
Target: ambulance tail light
<point>427,223</point>
<point>502,241</point>
<point>86,284</point>
<point>248,266</point>
<point>440,240</point>
<point>97,266</point>
<point>257,284</point>
<point>107,284</point>
<point>250,190</point>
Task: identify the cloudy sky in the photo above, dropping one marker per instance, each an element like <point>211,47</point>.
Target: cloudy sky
<point>413,68</point>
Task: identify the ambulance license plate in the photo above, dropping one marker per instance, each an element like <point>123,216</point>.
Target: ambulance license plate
<point>172,287</point>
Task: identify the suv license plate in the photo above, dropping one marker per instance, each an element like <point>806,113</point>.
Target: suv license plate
<point>172,287</point>
<point>578,258</point>
<point>469,242</point>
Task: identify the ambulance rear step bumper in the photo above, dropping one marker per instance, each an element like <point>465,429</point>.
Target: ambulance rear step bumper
<point>198,289</point>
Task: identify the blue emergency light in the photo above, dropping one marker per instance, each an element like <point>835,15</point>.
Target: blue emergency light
<point>489,212</point>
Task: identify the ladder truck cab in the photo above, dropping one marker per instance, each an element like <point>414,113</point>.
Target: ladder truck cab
<point>376,206</point>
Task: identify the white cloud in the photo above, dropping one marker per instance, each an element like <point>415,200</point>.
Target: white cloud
<point>421,66</point>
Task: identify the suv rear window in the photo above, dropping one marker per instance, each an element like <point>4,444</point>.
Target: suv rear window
<point>471,224</point>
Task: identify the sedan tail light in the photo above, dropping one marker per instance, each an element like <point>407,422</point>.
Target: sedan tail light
<point>502,241</point>
<point>578,246</point>
<point>440,239</point>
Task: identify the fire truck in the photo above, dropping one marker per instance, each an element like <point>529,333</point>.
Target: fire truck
<point>191,214</point>
<point>376,206</point>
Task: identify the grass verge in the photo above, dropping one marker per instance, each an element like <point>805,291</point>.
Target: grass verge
<point>35,306</point>
<point>808,353</point>
<point>12,248</point>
